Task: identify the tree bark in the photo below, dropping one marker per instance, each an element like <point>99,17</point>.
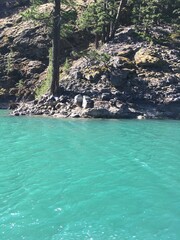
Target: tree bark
<point>104,26</point>
<point>55,48</point>
<point>96,41</point>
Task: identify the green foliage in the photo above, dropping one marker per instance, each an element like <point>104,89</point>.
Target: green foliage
<point>155,11</point>
<point>33,13</point>
<point>10,62</point>
<point>20,85</point>
<point>66,66</point>
<point>94,55</point>
<point>45,85</point>
<point>75,55</point>
<point>68,16</point>
<point>2,91</point>
<point>97,17</point>
<point>93,18</point>
<point>175,36</point>
<point>68,22</point>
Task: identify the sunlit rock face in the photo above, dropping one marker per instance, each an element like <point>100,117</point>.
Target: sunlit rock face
<point>24,52</point>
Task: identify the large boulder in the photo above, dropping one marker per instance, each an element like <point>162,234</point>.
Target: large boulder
<point>94,73</point>
<point>121,62</point>
<point>125,34</point>
<point>78,100</point>
<point>97,113</point>
<point>146,57</point>
<point>119,78</point>
<point>87,102</point>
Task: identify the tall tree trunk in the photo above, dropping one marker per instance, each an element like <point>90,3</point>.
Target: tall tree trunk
<point>104,25</point>
<point>104,34</point>
<point>55,48</point>
<point>108,33</point>
<point>122,4</point>
<point>96,41</point>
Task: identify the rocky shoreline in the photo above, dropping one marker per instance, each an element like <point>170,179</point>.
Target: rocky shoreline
<point>128,77</point>
<point>65,108</point>
<point>135,80</point>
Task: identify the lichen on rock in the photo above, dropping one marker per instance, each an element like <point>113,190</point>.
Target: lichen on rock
<point>147,57</point>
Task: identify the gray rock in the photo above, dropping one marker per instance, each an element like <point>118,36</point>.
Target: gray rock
<point>78,100</point>
<point>74,115</point>
<point>87,102</point>
<point>58,105</point>
<point>63,99</point>
<point>124,34</point>
<point>98,113</point>
<point>103,77</point>
<point>118,78</point>
<point>77,75</point>
<point>13,106</point>
<point>106,90</point>
<point>105,96</point>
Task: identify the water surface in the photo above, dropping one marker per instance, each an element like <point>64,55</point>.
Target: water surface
<point>89,179</point>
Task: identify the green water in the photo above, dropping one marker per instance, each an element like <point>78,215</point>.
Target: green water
<point>89,179</point>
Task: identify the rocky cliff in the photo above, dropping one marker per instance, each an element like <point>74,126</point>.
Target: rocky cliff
<point>24,48</point>
<point>24,53</point>
<point>126,78</point>
<point>9,7</point>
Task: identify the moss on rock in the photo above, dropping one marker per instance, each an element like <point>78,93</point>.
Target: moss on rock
<point>146,57</point>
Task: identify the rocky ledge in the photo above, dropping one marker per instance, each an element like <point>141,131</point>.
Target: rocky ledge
<point>126,78</point>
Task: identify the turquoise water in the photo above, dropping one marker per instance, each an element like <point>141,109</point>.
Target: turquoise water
<point>89,179</point>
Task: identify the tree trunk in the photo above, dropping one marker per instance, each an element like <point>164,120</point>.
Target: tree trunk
<point>104,25</point>
<point>55,48</point>
<point>104,34</point>
<point>96,41</point>
<point>108,33</point>
<point>122,4</point>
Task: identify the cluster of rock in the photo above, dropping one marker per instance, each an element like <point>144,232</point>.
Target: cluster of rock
<point>130,79</point>
<point>81,106</point>
<point>137,81</point>
<point>24,51</point>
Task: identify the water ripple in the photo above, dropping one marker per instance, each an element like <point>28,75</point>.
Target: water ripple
<point>81,179</point>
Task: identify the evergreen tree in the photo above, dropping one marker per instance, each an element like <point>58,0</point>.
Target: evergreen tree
<point>55,47</point>
<point>57,20</point>
<point>101,19</point>
<point>155,11</point>
<point>93,19</point>
<point>122,4</point>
